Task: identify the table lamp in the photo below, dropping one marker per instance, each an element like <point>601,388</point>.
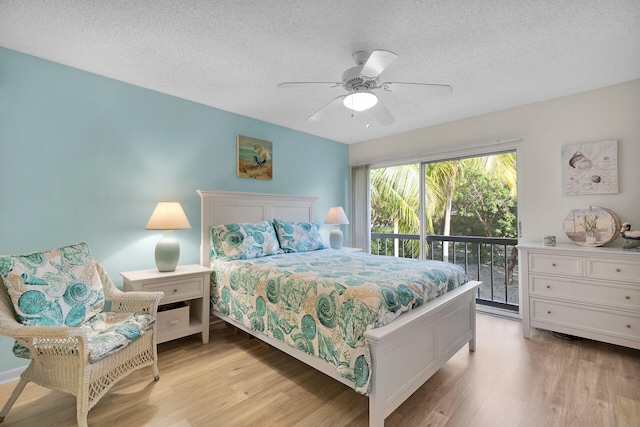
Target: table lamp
<point>168,216</point>
<point>336,216</point>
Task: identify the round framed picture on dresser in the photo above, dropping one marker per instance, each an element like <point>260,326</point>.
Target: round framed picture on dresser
<point>592,226</point>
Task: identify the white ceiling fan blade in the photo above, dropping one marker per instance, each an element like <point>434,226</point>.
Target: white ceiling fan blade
<point>318,114</point>
<point>381,113</point>
<point>287,85</point>
<point>377,62</point>
<point>425,89</point>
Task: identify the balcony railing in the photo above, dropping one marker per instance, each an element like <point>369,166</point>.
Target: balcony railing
<point>491,260</point>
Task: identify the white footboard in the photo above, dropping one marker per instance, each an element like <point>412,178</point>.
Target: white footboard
<point>408,351</point>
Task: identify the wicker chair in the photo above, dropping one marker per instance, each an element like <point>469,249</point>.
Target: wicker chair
<point>60,355</point>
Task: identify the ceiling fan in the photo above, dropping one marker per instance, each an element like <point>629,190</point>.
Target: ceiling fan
<point>362,80</point>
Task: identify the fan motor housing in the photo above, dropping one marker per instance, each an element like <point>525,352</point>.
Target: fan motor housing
<point>352,81</point>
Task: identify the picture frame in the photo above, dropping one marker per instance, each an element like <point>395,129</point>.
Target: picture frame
<point>590,168</point>
<point>254,158</point>
<point>592,226</point>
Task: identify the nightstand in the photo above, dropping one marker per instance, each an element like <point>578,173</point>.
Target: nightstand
<point>184,309</point>
<point>349,249</point>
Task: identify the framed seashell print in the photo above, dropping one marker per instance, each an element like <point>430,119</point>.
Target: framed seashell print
<point>592,226</point>
<point>590,168</point>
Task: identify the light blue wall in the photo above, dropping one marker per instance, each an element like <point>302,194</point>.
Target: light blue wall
<point>86,158</point>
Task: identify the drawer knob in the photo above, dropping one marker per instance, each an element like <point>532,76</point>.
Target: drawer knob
<point>548,287</point>
<point>175,290</point>
<point>629,326</point>
<point>627,297</point>
<point>553,264</point>
<point>548,311</point>
<point>618,270</point>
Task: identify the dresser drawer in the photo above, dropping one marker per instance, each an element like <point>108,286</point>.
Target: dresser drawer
<point>177,290</point>
<point>598,321</point>
<point>585,291</point>
<point>613,269</point>
<point>555,264</point>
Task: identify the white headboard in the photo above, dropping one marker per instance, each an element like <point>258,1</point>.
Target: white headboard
<point>226,207</point>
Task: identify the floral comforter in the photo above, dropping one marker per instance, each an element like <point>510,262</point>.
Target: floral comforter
<point>322,302</point>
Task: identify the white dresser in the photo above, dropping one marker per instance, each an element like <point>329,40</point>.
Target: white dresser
<point>583,291</point>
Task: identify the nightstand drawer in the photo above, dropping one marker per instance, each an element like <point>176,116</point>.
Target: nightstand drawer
<point>177,290</point>
<point>349,249</point>
<point>555,264</point>
<point>612,269</point>
<point>585,291</point>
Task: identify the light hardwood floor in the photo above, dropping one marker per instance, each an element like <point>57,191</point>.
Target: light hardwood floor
<point>237,381</point>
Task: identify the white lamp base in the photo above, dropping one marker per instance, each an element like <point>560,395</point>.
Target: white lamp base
<point>335,237</point>
<point>167,252</point>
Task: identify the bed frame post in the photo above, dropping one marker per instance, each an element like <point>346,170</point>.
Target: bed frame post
<point>472,341</point>
<point>377,401</point>
<point>376,411</point>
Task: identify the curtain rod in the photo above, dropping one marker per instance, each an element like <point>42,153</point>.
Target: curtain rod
<point>443,154</point>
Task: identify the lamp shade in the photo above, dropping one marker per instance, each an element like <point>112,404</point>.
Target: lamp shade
<point>168,216</point>
<point>336,215</point>
<point>360,101</point>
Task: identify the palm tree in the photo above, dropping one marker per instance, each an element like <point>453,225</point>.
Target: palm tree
<point>395,202</point>
<point>442,179</point>
<point>501,167</point>
<point>446,175</point>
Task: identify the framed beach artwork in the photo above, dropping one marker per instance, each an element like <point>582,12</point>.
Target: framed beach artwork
<point>254,158</point>
<point>592,226</point>
<point>590,168</point>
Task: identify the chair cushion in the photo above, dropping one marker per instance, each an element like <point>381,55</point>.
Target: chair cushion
<point>106,333</point>
<point>53,288</point>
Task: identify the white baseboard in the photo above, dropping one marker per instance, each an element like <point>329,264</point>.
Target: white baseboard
<point>11,375</point>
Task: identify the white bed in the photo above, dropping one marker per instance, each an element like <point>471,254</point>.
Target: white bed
<point>404,353</point>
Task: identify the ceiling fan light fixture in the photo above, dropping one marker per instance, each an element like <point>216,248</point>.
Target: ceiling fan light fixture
<point>360,101</point>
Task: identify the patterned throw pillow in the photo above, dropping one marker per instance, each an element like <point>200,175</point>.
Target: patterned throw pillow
<point>244,241</point>
<point>53,288</point>
<point>298,236</point>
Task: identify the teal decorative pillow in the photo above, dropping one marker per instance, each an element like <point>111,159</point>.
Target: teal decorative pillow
<point>244,241</point>
<point>298,236</point>
<point>53,288</point>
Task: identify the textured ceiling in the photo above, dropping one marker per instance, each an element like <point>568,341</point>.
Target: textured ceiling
<point>496,54</point>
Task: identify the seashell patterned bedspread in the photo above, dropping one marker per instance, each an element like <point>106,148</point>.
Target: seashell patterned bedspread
<point>322,302</point>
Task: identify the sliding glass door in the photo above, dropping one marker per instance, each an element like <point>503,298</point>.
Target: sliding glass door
<point>461,210</point>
